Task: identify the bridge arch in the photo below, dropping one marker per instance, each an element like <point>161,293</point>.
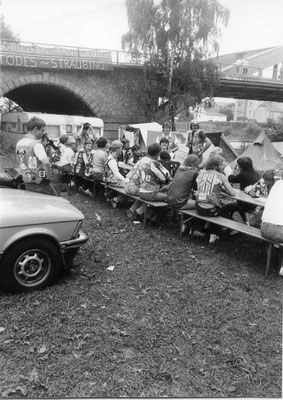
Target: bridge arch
<point>47,93</point>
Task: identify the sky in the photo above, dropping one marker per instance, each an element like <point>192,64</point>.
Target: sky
<point>253,24</point>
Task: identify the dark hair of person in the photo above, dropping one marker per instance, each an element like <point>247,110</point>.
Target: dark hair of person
<point>269,175</point>
<point>63,139</point>
<point>194,123</point>
<point>101,142</point>
<point>164,155</point>
<point>164,140</point>
<point>49,142</point>
<point>245,164</point>
<point>214,162</point>
<point>35,122</point>
<point>135,147</point>
<point>191,160</point>
<point>154,149</point>
<point>202,135</point>
<point>166,125</point>
<point>86,125</point>
<point>125,141</point>
<point>89,141</point>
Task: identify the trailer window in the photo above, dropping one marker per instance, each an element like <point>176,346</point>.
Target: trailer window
<point>97,131</point>
<point>69,129</point>
<point>53,131</point>
<point>14,124</point>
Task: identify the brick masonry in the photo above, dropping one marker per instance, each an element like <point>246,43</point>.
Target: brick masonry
<point>118,97</point>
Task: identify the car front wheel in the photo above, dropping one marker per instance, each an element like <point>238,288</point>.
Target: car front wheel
<point>31,264</point>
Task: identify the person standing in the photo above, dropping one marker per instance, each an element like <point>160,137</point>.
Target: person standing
<point>84,133</point>
<point>33,161</point>
<point>245,66</point>
<point>197,142</point>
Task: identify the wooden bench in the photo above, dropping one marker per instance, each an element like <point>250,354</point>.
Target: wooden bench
<point>271,247</point>
<point>120,190</point>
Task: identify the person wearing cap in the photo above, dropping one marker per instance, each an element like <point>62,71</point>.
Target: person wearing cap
<point>172,139</point>
<point>33,161</point>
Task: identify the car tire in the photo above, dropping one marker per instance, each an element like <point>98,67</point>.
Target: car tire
<point>31,264</point>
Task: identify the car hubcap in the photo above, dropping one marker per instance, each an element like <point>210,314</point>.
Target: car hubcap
<point>32,267</point>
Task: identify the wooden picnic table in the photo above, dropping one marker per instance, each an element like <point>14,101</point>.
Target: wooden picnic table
<point>242,196</point>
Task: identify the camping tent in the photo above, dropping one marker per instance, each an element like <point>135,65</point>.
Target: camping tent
<point>146,133</point>
<point>263,154</point>
<point>141,134</point>
<point>218,139</point>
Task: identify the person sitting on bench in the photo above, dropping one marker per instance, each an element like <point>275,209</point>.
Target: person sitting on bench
<point>272,218</point>
<point>180,189</point>
<point>247,176</point>
<point>99,156</point>
<point>112,175</point>
<point>210,182</point>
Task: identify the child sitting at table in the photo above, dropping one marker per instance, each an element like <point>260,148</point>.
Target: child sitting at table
<point>260,189</point>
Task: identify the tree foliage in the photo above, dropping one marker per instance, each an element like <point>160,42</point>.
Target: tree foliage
<point>6,31</point>
<point>7,34</point>
<point>184,35</point>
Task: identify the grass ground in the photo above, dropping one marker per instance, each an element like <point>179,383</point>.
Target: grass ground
<point>170,318</point>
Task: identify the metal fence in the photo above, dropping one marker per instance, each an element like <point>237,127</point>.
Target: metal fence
<point>249,72</point>
<point>116,57</point>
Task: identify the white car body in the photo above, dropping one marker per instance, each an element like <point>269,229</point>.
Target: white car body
<point>27,216</point>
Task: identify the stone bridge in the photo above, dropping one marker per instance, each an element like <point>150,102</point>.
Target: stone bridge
<point>65,80</point>
<point>112,85</point>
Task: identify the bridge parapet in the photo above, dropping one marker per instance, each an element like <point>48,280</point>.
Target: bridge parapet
<point>40,55</point>
<point>233,71</point>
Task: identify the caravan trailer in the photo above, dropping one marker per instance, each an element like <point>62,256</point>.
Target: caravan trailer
<point>14,125</point>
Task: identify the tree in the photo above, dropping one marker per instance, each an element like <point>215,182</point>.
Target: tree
<point>183,35</point>
<point>6,31</point>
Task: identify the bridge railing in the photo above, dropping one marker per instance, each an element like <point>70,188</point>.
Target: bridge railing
<point>117,57</point>
<point>249,72</point>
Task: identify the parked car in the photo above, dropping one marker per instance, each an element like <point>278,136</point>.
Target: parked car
<point>39,236</point>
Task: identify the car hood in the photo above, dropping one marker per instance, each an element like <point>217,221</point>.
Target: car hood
<point>21,207</point>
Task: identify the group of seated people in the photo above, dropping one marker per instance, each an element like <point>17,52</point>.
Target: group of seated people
<point>195,184</point>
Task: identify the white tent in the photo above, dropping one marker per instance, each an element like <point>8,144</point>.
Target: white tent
<point>141,134</point>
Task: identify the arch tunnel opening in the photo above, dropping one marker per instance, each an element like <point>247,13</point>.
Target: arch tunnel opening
<point>49,99</point>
